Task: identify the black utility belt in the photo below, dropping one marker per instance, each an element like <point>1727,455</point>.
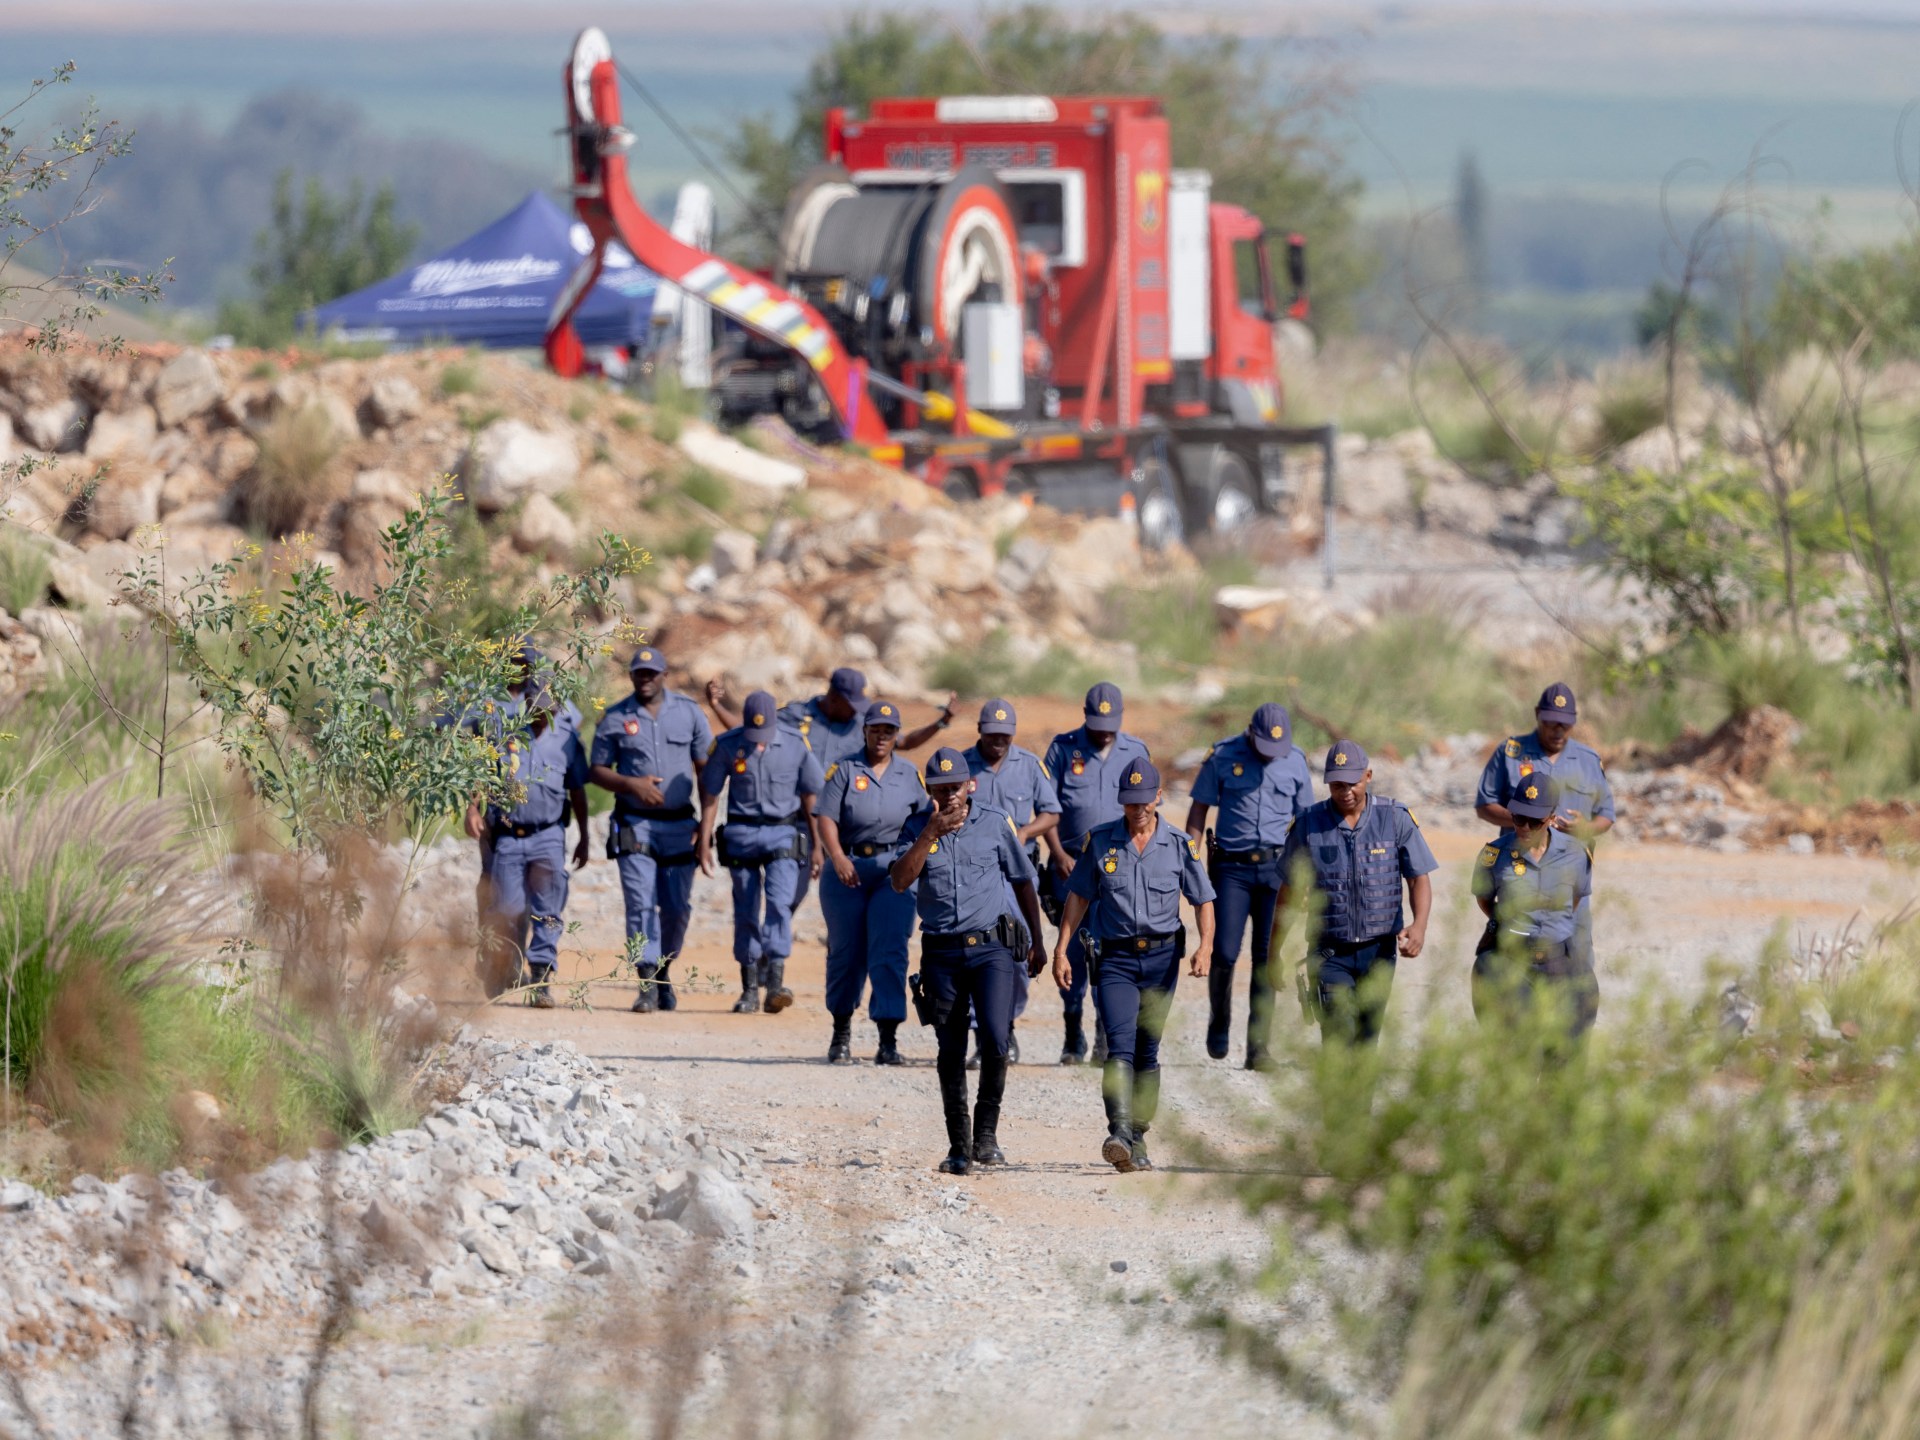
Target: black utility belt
<point>1245,857</point>
<point>661,813</point>
<point>1137,944</point>
<point>867,849</point>
<point>521,832</point>
<point>753,820</point>
<point>622,841</point>
<point>1002,932</point>
<point>1350,947</point>
<point>796,849</point>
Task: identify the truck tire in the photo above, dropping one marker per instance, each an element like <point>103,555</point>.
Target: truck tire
<point>1156,503</point>
<point>1222,495</point>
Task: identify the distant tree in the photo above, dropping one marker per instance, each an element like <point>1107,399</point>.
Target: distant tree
<point>1470,218</point>
<point>314,251</point>
<point>1268,145</point>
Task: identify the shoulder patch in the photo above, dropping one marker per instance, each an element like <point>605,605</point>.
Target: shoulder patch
<point>1193,847</point>
<point>1489,854</point>
<point>1513,749</point>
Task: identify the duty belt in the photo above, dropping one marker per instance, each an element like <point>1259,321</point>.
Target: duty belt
<point>959,941</point>
<point>521,832</point>
<point>1135,944</point>
<point>661,813</point>
<point>793,819</point>
<point>867,849</point>
<point>1246,857</point>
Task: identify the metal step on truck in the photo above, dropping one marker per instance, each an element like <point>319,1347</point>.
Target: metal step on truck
<point>1004,294</point>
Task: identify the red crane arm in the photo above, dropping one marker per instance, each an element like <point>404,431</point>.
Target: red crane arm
<point>604,201</point>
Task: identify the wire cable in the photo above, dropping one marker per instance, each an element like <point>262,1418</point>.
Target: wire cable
<point>753,212</point>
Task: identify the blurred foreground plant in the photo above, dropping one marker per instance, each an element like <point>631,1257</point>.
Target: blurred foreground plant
<point>1634,1242</point>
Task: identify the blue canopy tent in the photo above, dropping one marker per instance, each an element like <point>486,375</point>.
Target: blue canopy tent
<point>497,287</point>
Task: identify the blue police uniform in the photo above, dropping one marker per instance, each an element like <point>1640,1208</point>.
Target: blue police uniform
<point>1087,785</point>
<point>868,923</point>
<point>1133,922</point>
<point>1255,802</point>
<point>654,846</point>
<point>1530,937</point>
<point>1357,871</point>
<point>1022,788</point>
<point>529,841</point>
<point>967,959</point>
<point>831,743</point>
<point>1584,795</point>
<point>763,846</point>
<point>492,718</point>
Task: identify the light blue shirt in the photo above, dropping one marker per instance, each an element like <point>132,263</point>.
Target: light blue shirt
<point>1255,801</point>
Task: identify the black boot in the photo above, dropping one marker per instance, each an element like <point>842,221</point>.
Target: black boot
<point>749,1000</point>
<point>840,1048</point>
<point>1146,1105</point>
<point>663,988</point>
<point>986,1111</point>
<point>889,1051</point>
<point>1074,1051</point>
<point>540,997</point>
<point>648,1000</point>
<point>1219,1007</point>
<point>778,996</point>
<point>1116,1087</point>
<point>953,1098</point>
<point>1013,1047</point>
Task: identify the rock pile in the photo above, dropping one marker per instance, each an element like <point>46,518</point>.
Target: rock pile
<point>538,1175</point>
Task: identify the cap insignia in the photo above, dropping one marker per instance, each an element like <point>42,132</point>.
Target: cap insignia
<point>999,714</point>
<point>1277,731</point>
<point>1560,701</point>
<point>758,718</point>
<point>1134,778</point>
<point>1105,707</point>
<point>1533,792</point>
<point>945,765</point>
<point>1341,758</point>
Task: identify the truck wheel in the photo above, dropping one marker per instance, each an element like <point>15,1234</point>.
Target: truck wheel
<point>1156,501</point>
<point>1233,501</point>
<point>961,484</point>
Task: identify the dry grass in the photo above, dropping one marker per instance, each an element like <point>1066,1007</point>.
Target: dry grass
<point>295,475</point>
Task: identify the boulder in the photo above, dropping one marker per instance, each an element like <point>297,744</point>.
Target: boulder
<point>234,454</point>
<point>1453,502</point>
<point>191,486</point>
<point>1656,451</point>
<point>543,528</point>
<point>510,459</point>
<point>1255,608</point>
<point>706,446</point>
<point>734,552</point>
<point>702,1201</point>
<point>21,661</point>
<point>6,437</point>
<point>56,427</point>
<point>189,384</point>
<point>1372,484</point>
<point>74,586</point>
<point>125,498</point>
<point>116,434</point>
<point>391,400</point>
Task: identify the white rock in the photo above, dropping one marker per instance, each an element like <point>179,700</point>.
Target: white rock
<point>55,427</point>
<point>493,1250</point>
<point>116,433</point>
<point>392,399</point>
<point>543,528</point>
<point>510,458</point>
<point>734,552</point>
<point>124,499</point>
<point>706,446</point>
<point>709,1204</point>
<point>77,589</point>
<point>189,384</point>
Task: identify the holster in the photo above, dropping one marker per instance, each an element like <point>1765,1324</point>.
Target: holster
<point>1052,901</point>
<point>922,1002</point>
<point>621,840</point>
<point>1306,985</point>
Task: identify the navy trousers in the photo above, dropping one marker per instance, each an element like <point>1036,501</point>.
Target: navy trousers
<point>1355,980</point>
<point>1133,994</point>
<point>1242,892</point>
<point>868,927</point>
<point>1073,999</point>
<point>530,887</point>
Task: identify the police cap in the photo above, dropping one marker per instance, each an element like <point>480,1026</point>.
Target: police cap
<point>849,684</point>
<point>1103,707</point>
<point>947,766</point>
<point>1270,732</point>
<point>1556,703</point>
<point>1140,785</point>
<point>757,716</point>
<point>997,718</point>
<point>1535,798</point>
<point>647,658</point>
<point>1346,763</point>
<point>883,712</point>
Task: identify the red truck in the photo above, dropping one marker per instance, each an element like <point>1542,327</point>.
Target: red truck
<point>1000,294</point>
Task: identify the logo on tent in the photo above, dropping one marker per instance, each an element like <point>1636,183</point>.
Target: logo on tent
<point>457,277</point>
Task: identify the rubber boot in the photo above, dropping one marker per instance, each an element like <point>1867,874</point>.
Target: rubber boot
<point>663,988</point>
<point>778,996</point>
<point>1074,1050</point>
<point>1116,1088</point>
<point>648,1000</point>
<point>840,1048</point>
<point>1146,1105</point>
<point>953,1098</point>
<point>1220,1007</point>
<point>986,1111</point>
<point>889,1051</point>
<point>749,1000</point>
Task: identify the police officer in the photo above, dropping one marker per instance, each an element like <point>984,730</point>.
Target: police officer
<point>1530,884</point>
<point>1127,890</point>
<point>527,834</point>
<point>647,750</point>
<point>1356,850</point>
<point>1260,782</point>
<point>1087,765</point>
<point>770,778</point>
<point>1012,778</point>
<point>964,854</point>
<point>863,806</point>
<point>1586,799</point>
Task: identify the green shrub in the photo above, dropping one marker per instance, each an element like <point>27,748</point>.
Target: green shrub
<point>666,426</point>
<point>706,489</point>
<point>1618,1242</point>
<point>294,476</point>
<point>989,668</point>
<point>462,377</point>
<point>1626,410</point>
<point>628,420</point>
<point>26,566</point>
<point>1522,446</point>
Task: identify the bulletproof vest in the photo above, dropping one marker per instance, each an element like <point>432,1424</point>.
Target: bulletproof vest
<point>1362,897</point>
